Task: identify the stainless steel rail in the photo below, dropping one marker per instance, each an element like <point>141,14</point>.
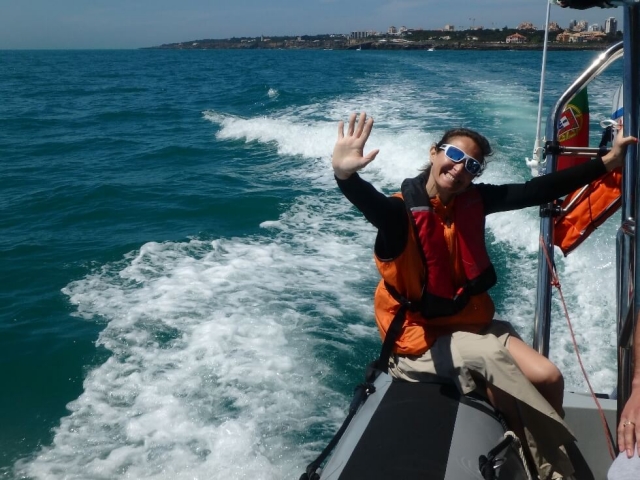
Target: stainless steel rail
<point>628,275</point>
<point>542,319</point>
<point>628,243</point>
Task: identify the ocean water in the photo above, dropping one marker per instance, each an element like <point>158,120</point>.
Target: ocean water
<point>184,292</point>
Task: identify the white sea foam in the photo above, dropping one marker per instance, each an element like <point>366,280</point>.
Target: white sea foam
<point>291,136</point>
<point>208,376</point>
<point>215,368</point>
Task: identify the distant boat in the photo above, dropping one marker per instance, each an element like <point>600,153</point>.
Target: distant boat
<point>430,49</point>
<point>358,49</point>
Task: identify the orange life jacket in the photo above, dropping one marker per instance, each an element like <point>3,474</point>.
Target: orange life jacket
<point>442,275</point>
<point>586,209</point>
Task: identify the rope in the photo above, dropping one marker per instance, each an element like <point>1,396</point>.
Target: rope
<point>556,283</point>
<point>490,462</point>
<point>518,447</point>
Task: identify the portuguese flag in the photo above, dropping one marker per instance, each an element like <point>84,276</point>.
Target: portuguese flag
<point>573,128</point>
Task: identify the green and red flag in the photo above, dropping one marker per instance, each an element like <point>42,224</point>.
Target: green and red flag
<point>573,128</point>
<point>587,208</point>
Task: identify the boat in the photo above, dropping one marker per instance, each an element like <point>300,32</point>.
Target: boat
<point>400,430</point>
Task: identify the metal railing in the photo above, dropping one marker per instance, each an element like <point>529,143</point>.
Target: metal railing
<point>627,244</point>
<point>542,319</point>
<point>628,275</point>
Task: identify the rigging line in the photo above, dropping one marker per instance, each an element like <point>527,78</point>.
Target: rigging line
<point>555,281</point>
<point>544,69</point>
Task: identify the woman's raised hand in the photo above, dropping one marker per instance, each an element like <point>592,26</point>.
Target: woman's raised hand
<point>348,152</point>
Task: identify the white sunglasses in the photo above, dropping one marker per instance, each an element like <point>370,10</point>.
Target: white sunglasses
<point>456,155</point>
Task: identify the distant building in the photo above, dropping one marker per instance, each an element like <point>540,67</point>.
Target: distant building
<point>581,26</point>
<point>516,38</point>
<point>580,37</point>
<point>564,37</point>
<point>356,35</point>
<point>554,27</point>
<point>526,26</point>
<point>611,25</point>
<point>392,30</point>
<point>449,28</point>
<point>594,27</point>
<point>594,36</point>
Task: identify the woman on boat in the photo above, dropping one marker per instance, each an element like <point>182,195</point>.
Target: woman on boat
<point>436,272</point>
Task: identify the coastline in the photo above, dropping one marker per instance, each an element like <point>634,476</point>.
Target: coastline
<point>376,45</point>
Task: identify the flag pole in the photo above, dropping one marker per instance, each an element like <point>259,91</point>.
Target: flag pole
<point>534,162</point>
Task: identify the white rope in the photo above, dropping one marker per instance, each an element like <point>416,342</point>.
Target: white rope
<point>518,446</point>
<point>534,162</point>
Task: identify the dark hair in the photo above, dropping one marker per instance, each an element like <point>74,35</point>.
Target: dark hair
<point>480,140</point>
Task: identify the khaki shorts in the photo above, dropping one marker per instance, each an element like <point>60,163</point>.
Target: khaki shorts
<point>463,355</point>
<point>454,356</point>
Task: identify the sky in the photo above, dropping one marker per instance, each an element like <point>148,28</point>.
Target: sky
<point>122,24</point>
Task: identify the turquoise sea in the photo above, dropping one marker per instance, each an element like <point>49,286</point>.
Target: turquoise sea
<point>184,292</point>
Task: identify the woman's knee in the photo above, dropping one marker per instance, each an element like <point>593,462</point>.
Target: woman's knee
<point>550,375</point>
<point>545,376</point>
<point>540,371</point>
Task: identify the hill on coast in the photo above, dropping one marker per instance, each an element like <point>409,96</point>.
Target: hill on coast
<point>500,39</point>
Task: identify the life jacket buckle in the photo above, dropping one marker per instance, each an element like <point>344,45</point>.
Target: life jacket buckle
<point>459,293</point>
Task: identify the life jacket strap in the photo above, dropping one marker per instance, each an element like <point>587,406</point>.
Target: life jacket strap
<point>429,306</point>
<point>395,327</point>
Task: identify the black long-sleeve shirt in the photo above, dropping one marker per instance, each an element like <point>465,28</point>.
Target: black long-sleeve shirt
<point>388,214</point>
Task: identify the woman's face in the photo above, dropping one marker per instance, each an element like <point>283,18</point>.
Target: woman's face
<point>452,178</point>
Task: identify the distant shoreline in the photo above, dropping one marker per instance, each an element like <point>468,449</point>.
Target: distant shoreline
<point>475,39</point>
<point>222,45</point>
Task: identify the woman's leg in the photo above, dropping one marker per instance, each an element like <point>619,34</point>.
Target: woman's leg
<point>540,371</point>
